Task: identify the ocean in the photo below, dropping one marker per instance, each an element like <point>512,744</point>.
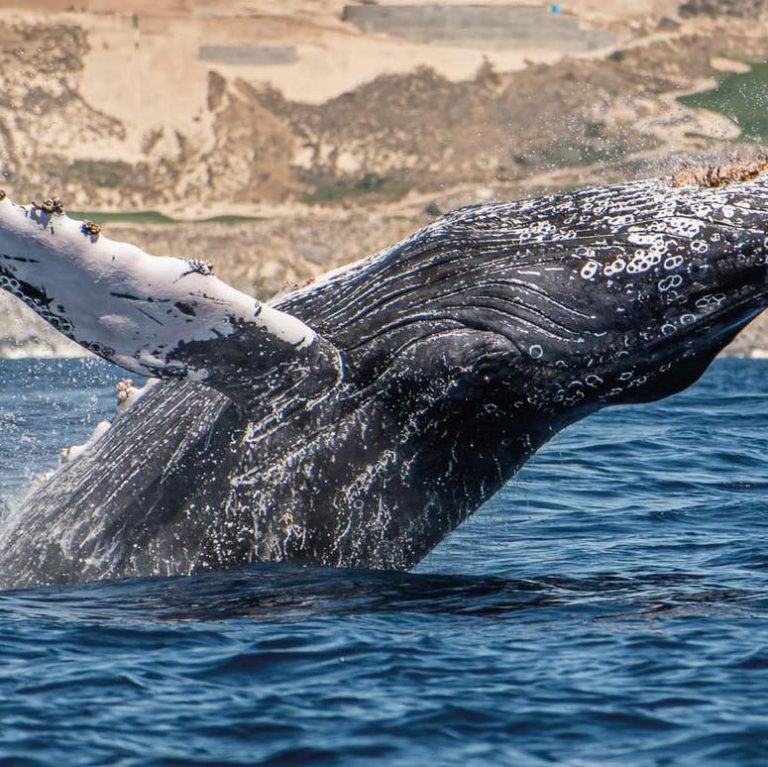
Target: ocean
<point>608,608</point>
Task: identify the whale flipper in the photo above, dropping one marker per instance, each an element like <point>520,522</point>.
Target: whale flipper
<point>155,316</point>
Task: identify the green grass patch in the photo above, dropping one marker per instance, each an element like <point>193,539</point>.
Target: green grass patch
<point>575,156</point>
<point>152,217</point>
<point>742,98</point>
<point>370,186</point>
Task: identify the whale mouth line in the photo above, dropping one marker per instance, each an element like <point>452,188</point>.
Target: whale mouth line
<point>720,332</point>
<point>738,323</point>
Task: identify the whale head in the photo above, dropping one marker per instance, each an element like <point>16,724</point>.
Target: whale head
<point>664,281</point>
<point>471,344</point>
<point>545,310</point>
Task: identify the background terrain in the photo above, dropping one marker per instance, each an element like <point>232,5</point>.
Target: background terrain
<point>281,138</point>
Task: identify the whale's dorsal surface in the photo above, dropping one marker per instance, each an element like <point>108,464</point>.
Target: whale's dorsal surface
<point>358,421</point>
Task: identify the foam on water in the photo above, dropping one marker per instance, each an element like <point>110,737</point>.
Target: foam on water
<point>608,608</point>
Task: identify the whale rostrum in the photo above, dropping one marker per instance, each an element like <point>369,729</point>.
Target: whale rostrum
<point>359,420</point>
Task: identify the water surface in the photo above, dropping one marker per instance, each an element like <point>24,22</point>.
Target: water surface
<point>608,608</point>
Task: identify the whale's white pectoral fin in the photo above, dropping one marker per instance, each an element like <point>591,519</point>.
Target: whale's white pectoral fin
<point>162,317</point>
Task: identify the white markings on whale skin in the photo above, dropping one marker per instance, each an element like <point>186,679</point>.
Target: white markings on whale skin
<point>673,262</point>
<point>615,267</point>
<point>710,302</point>
<point>699,246</point>
<point>642,261</point>
<point>590,269</point>
<point>134,309</point>
<point>668,283</point>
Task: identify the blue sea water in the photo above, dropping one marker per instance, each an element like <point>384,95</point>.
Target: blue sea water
<point>609,608</point>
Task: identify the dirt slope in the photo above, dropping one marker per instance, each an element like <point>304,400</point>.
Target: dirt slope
<point>113,106</point>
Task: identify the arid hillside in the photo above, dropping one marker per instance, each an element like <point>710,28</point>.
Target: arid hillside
<point>339,127</point>
<point>84,112</point>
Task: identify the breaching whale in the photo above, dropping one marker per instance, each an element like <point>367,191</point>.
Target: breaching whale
<point>359,420</point>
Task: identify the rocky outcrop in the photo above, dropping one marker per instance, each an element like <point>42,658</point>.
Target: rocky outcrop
<point>742,8</point>
<point>42,108</point>
<point>418,131</point>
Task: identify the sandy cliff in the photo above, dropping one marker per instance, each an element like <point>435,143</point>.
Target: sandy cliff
<point>338,131</point>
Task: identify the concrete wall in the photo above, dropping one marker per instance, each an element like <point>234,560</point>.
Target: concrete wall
<point>495,26</point>
<point>248,55</point>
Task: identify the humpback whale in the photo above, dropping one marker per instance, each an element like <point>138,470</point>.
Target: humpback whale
<point>357,421</point>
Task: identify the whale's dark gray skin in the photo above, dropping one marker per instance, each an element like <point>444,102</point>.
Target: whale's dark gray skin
<point>436,369</point>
